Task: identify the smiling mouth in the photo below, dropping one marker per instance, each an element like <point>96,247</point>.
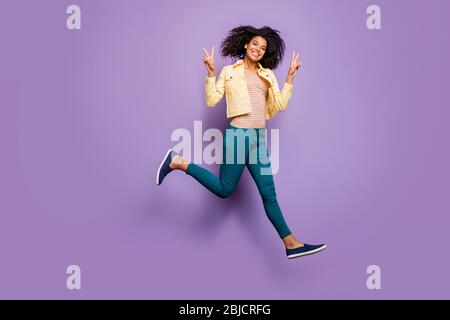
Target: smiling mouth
<point>255,54</point>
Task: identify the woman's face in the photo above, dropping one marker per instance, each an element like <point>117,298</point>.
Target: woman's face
<point>256,48</point>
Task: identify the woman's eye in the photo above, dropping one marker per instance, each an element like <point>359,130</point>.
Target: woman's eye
<point>255,44</point>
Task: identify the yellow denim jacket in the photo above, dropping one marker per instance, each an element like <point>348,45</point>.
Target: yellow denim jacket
<point>232,83</point>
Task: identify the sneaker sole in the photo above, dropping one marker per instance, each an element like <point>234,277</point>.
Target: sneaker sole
<point>297,255</point>
<point>160,166</point>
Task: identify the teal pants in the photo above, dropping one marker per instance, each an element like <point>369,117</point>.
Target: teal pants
<point>244,148</point>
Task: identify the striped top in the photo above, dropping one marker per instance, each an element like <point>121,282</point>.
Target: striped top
<point>257,89</point>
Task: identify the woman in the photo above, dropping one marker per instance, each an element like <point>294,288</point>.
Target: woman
<point>253,96</point>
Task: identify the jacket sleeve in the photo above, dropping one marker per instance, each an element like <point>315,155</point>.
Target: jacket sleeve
<point>281,97</point>
<point>214,91</point>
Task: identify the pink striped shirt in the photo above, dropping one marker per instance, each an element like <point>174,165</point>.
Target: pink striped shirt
<point>257,89</point>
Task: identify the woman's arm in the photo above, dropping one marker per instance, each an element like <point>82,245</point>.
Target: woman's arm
<point>282,97</point>
<point>214,91</point>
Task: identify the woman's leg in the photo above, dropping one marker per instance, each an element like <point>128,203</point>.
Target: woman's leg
<point>230,172</point>
<point>222,186</point>
<point>261,171</point>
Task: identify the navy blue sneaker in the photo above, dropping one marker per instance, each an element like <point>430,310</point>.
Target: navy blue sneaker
<point>307,249</point>
<point>164,168</point>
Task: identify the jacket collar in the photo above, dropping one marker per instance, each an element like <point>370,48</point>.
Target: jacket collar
<point>241,61</point>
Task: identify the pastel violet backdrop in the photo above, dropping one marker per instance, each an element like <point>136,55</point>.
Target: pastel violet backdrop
<point>87,115</point>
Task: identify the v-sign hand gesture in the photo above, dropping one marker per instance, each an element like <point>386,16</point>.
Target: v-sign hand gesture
<point>294,67</point>
<point>208,60</point>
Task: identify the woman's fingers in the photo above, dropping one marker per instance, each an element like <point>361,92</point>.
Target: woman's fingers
<point>206,53</point>
<point>295,64</point>
<point>208,60</point>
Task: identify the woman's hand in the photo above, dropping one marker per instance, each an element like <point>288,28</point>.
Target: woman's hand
<point>294,67</point>
<point>208,60</point>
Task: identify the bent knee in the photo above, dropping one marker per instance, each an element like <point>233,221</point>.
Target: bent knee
<point>225,193</point>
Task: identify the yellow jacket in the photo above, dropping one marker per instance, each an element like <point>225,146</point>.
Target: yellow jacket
<point>232,82</point>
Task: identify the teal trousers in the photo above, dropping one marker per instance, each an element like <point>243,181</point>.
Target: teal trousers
<point>244,147</point>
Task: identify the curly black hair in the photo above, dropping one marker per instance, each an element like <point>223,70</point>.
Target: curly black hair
<point>233,45</point>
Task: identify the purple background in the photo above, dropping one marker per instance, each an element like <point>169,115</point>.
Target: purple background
<point>87,115</point>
